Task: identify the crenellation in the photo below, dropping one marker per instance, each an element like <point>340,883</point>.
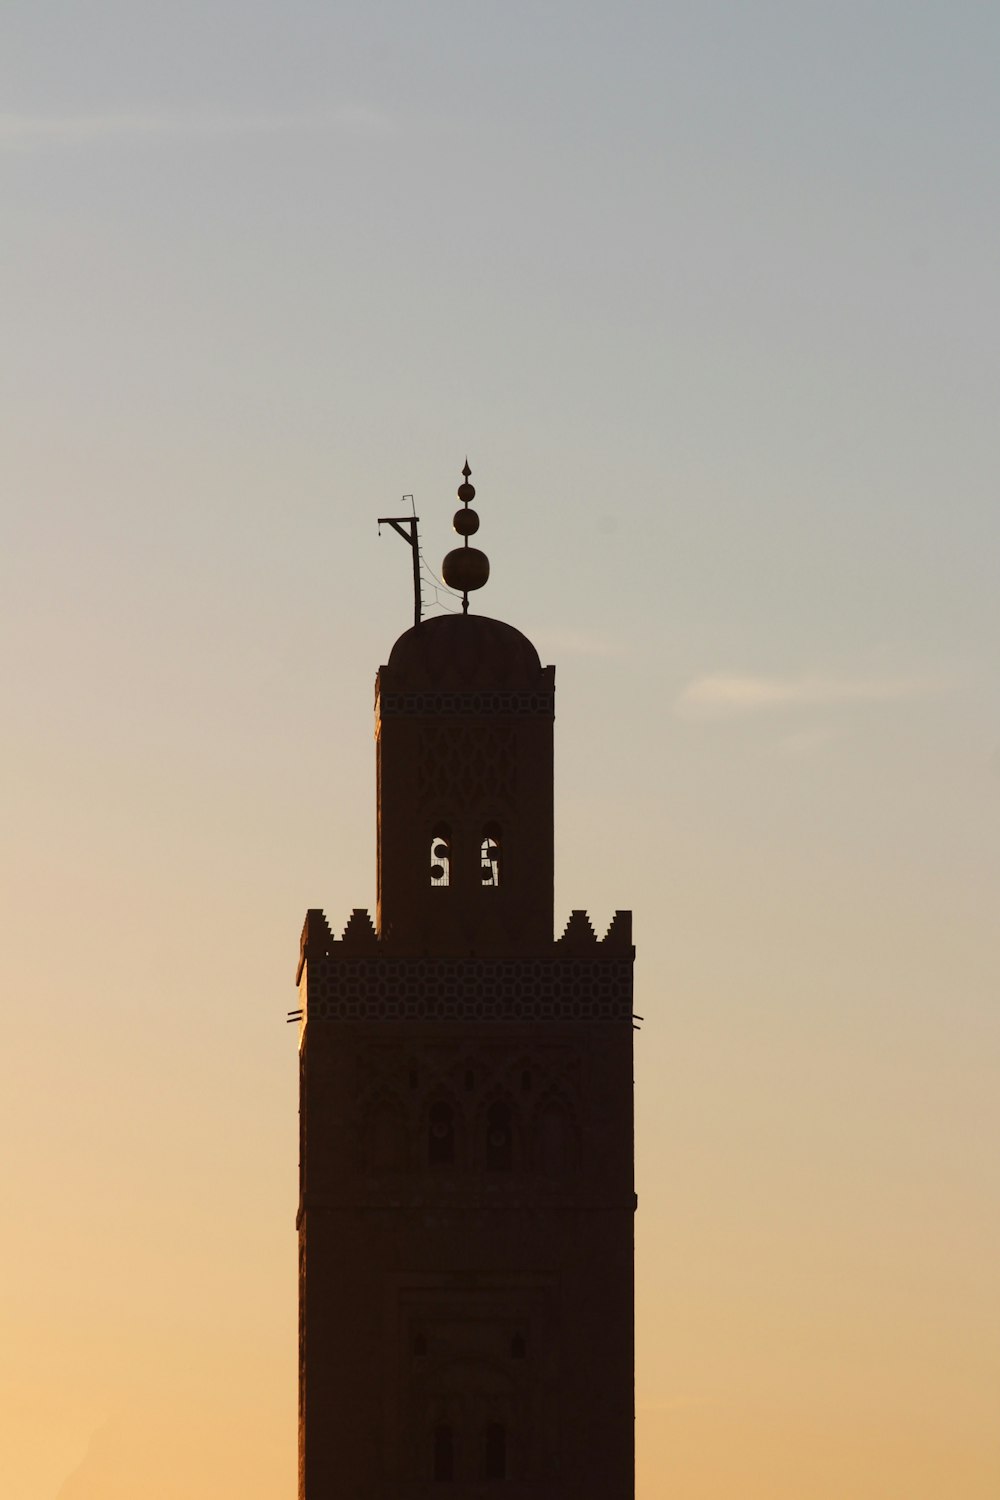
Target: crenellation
<point>360,931</point>
<point>316,940</point>
<point>619,933</point>
<point>578,935</point>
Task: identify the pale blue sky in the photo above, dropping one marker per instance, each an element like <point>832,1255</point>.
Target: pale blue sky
<point>707,294</point>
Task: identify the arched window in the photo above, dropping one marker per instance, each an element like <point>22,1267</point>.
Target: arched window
<point>499,1139</point>
<point>556,1141</point>
<point>495,1451</point>
<point>441,1135</point>
<point>489,857</point>
<point>441,855</point>
<point>444,1451</point>
<point>385,1138</point>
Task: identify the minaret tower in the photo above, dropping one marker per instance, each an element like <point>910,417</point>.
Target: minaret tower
<point>466,1202</point>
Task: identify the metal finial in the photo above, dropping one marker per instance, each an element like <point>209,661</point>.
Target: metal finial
<point>466,568</point>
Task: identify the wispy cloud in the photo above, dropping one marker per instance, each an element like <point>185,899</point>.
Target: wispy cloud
<point>718,696</point>
<point>20,132</point>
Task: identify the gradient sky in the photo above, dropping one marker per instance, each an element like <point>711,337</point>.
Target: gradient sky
<point>707,292</point>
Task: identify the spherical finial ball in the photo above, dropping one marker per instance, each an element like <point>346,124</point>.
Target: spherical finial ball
<point>467,493</point>
<point>465,569</point>
<point>466,522</point>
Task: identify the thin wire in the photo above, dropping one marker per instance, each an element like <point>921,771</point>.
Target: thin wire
<point>435,586</point>
<point>428,578</point>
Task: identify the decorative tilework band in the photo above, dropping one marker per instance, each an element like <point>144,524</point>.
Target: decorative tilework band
<point>374,989</point>
<point>487,705</point>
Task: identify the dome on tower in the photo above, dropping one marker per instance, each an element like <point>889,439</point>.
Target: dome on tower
<point>462,652</point>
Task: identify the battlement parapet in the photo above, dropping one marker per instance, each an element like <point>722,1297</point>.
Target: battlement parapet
<point>578,939</point>
<point>356,977</point>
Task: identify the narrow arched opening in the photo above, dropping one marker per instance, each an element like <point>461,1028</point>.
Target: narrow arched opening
<point>556,1141</point>
<point>499,1138</point>
<point>495,1451</point>
<point>490,857</point>
<point>440,861</point>
<point>441,1135</point>
<point>385,1137</point>
<point>443,1451</point>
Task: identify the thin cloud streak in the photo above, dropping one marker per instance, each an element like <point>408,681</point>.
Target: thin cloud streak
<point>20,132</point>
<point>719,696</point>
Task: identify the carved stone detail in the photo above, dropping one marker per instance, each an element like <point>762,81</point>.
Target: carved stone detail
<point>376,988</point>
<point>394,1095</point>
<point>467,764</point>
<point>447,705</point>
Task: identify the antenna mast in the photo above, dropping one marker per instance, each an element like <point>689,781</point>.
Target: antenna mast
<point>406,527</point>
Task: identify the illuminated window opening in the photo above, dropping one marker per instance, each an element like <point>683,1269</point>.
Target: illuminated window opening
<point>489,857</point>
<point>440,871</point>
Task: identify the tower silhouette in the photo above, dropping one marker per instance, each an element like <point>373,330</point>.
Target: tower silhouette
<point>466,1180</point>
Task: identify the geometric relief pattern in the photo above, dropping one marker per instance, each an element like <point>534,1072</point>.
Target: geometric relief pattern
<point>478,1069</point>
<point>486,705</point>
<point>471,1359</point>
<point>466,764</point>
<point>556,1140</point>
<point>396,1088</point>
<point>515,989</point>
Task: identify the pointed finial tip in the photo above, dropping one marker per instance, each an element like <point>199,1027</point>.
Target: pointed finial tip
<point>466,568</point>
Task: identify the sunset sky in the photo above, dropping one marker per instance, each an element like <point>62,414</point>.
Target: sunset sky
<point>707,291</point>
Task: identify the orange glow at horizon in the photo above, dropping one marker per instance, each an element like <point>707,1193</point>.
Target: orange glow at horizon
<point>707,293</point>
